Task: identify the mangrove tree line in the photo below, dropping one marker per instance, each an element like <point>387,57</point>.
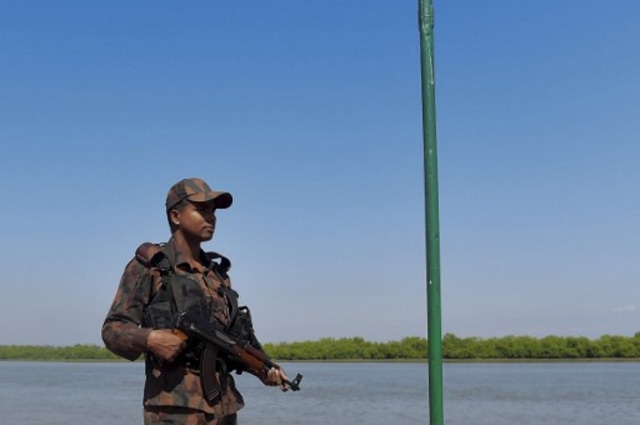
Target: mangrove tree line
<point>409,348</point>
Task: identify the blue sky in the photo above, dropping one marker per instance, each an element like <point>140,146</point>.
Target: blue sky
<point>310,114</point>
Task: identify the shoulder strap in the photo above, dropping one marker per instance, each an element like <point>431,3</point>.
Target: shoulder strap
<point>219,262</point>
<point>151,255</point>
<point>220,265</point>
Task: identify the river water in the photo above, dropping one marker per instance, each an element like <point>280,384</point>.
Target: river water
<point>46,393</point>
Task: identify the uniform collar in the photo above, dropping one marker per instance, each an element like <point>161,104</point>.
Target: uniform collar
<point>177,257</point>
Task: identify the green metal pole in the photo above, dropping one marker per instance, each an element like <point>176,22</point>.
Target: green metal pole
<point>434,325</point>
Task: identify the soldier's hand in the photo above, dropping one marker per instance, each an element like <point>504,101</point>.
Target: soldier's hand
<point>277,377</point>
<point>165,344</point>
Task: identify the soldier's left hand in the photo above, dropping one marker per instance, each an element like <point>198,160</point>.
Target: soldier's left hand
<point>277,377</point>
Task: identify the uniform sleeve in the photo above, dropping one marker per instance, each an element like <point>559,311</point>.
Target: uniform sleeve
<point>121,331</point>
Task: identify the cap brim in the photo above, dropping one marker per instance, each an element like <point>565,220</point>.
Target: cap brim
<point>222,200</point>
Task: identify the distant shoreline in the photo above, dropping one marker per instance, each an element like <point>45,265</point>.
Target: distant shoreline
<point>410,349</point>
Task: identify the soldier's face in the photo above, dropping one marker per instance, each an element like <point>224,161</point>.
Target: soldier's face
<point>197,220</point>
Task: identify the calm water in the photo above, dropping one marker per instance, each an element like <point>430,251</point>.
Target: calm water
<point>367,393</point>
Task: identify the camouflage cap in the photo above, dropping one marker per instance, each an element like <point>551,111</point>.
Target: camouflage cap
<point>196,190</point>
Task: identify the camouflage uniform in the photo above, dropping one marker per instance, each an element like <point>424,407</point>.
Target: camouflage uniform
<point>172,391</point>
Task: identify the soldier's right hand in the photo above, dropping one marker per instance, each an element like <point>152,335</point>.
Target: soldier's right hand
<point>165,344</point>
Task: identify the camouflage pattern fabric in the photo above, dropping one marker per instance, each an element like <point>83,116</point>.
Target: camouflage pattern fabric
<point>181,416</point>
<point>196,190</point>
<point>178,385</point>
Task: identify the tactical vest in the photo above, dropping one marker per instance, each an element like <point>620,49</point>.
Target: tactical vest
<point>179,293</point>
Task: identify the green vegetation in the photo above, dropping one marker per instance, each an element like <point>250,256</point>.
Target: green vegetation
<point>549,347</point>
<point>410,348</point>
<point>47,352</point>
<point>454,348</point>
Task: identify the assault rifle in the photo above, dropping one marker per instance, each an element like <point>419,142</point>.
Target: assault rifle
<point>253,361</point>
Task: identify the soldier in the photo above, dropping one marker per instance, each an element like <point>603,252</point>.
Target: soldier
<point>141,315</point>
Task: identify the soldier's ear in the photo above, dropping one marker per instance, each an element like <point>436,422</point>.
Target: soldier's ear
<point>174,216</point>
